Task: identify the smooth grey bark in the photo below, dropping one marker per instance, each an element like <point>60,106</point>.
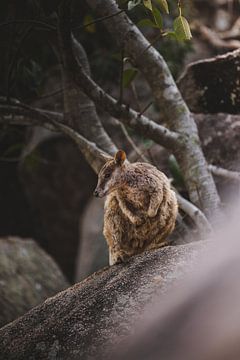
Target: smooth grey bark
<point>199,181</point>
<point>82,321</point>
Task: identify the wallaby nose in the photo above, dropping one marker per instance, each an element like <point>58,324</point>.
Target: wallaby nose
<point>95,193</point>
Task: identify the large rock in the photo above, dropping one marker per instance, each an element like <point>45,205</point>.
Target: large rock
<point>93,249</point>
<point>78,322</point>
<point>57,190</point>
<point>27,277</point>
<point>200,319</point>
<point>212,85</point>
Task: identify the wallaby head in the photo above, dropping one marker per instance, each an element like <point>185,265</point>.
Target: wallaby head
<point>110,175</point>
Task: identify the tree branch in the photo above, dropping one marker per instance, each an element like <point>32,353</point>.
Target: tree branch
<point>79,110</point>
<point>199,181</point>
<point>44,25</point>
<point>195,214</point>
<point>123,113</point>
<point>213,39</point>
<point>24,115</point>
<point>228,174</point>
<point>21,114</point>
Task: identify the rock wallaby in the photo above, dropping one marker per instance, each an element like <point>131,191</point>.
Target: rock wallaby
<point>140,208</point>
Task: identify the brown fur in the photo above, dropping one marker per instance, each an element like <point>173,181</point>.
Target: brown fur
<point>140,209</point>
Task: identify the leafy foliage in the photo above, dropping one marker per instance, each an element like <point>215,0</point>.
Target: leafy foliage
<point>88,19</point>
<point>175,172</point>
<point>181,28</point>
<point>164,5</point>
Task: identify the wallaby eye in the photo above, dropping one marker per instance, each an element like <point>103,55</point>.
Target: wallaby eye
<point>106,176</point>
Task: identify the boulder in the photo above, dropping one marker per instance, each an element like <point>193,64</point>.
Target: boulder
<point>82,321</point>
<point>93,249</point>
<point>27,277</point>
<point>217,92</point>
<point>57,191</point>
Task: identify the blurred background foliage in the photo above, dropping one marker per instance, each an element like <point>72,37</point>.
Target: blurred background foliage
<point>27,54</point>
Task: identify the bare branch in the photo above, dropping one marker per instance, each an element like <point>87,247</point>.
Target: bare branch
<point>45,96</point>
<point>96,20</point>
<point>234,32</point>
<point>27,116</point>
<point>21,114</point>
<point>15,57</point>
<point>195,214</point>
<point>228,174</point>
<point>42,24</point>
<point>79,110</point>
<point>133,145</point>
<point>95,156</point>
<point>128,116</point>
<point>15,107</point>
<point>213,39</point>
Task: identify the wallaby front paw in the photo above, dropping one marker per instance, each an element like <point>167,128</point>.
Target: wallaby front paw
<point>117,258</point>
<point>152,212</point>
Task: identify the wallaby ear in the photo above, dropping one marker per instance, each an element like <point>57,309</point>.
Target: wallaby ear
<point>120,157</point>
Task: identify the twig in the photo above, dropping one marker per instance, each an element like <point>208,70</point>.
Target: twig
<point>145,109</point>
<point>213,39</point>
<point>152,43</point>
<point>228,174</point>
<point>12,65</point>
<point>32,116</point>
<point>233,33</point>
<point>45,96</point>
<point>33,22</point>
<point>97,20</point>
<point>131,142</point>
<point>121,77</point>
<point>134,92</point>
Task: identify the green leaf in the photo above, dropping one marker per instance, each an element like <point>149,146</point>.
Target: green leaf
<point>133,3</point>
<point>90,28</point>
<point>148,4</point>
<point>128,76</point>
<point>175,171</point>
<point>164,5</point>
<point>146,22</point>
<point>182,28</point>
<point>157,17</point>
<point>171,34</point>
